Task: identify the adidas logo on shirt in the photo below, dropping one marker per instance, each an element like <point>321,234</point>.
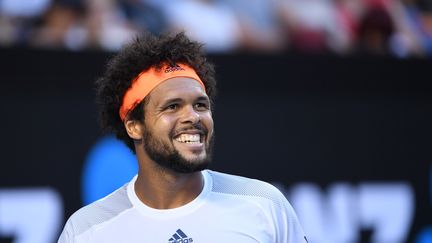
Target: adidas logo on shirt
<point>180,237</point>
<point>174,68</point>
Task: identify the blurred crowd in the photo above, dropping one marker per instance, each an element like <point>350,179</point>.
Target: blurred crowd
<point>401,28</point>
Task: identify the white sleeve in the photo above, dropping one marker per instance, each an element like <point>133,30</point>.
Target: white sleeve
<point>67,235</point>
<point>286,224</point>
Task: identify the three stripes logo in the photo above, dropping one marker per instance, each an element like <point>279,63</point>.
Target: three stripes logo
<point>180,237</point>
<point>174,68</point>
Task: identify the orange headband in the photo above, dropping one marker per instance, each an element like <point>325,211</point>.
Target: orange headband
<point>147,80</point>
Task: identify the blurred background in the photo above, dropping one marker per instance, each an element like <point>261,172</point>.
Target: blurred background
<point>329,100</point>
<point>400,28</point>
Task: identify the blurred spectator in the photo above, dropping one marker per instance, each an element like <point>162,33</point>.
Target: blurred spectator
<point>263,24</point>
<point>107,25</point>
<point>17,18</point>
<point>418,15</point>
<point>374,32</point>
<point>347,14</point>
<point>144,15</point>
<point>24,8</point>
<point>60,26</point>
<point>207,21</point>
<point>401,28</point>
<point>425,29</point>
<point>315,27</point>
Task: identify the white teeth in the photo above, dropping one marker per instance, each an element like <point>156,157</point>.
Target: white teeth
<point>188,138</point>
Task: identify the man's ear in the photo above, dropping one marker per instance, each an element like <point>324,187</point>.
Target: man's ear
<point>134,129</point>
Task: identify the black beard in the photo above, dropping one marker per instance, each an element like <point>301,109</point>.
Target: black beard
<point>169,158</point>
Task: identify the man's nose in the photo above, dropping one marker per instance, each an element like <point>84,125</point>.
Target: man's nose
<point>190,115</point>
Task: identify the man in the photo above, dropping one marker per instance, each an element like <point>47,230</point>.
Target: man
<point>156,95</point>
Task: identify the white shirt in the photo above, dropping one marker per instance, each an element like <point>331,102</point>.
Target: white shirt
<point>229,209</point>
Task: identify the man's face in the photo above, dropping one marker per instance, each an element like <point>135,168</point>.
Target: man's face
<point>178,126</point>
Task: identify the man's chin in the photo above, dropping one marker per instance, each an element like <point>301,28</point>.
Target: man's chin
<point>184,164</point>
<point>194,158</point>
<point>190,168</point>
<point>195,164</point>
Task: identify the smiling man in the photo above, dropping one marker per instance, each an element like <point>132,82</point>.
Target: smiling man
<point>156,95</point>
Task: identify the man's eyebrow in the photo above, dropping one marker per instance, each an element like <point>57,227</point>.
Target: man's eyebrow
<point>172,100</point>
<point>180,100</point>
<point>203,98</point>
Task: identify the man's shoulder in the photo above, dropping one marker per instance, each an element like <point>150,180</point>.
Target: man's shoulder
<point>244,186</point>
<point>100,211</point>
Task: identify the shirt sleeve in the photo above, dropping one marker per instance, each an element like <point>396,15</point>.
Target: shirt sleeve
<point>66,235</point>
<point>286,224</point>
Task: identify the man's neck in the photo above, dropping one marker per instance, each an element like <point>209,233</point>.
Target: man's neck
<point>165,189</point>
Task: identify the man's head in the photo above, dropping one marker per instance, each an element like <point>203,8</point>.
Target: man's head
<point>173,122</point>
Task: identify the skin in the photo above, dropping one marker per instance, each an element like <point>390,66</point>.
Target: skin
<point>174,106</point>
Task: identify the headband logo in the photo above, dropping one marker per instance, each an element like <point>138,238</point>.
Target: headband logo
<point>170,69</point>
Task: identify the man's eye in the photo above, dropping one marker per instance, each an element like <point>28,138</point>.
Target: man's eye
<point>172,107</point>
<point>201,106</point>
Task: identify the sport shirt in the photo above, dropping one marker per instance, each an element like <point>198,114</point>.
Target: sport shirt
<point>229,209</point>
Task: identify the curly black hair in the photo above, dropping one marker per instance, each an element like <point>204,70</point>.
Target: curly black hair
<point>142,53</point>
